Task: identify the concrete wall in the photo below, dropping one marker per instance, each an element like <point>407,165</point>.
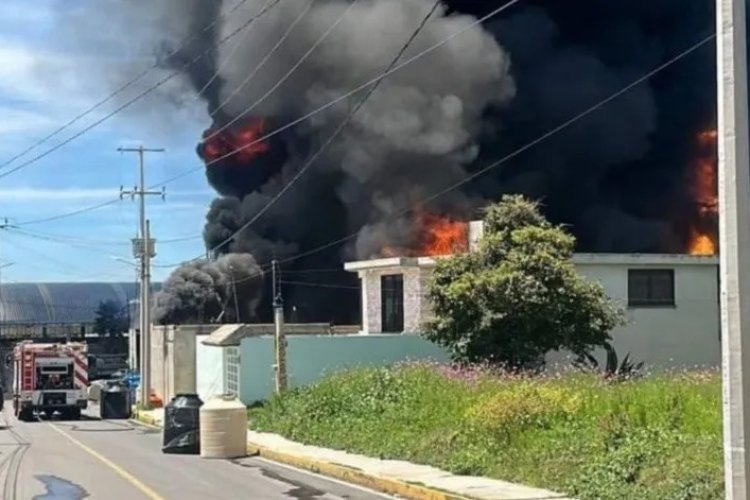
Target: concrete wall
<point>679,336</point>
<point>210,369</point>
<point>310,358</point>
<point>684,335</point>
<point>173,359</point>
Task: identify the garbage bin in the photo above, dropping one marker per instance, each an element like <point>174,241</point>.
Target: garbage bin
<point>113,404</point>
<point>181,432</point>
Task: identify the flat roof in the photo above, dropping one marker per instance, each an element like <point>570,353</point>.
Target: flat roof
<point>390,262</point>
<point>631,259</point>
<point>646,259</point>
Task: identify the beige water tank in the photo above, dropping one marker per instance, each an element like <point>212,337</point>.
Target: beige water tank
<point>223,428</point>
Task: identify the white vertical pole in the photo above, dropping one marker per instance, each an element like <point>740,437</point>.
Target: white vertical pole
<point>734,239</point>
<point>146,296</point>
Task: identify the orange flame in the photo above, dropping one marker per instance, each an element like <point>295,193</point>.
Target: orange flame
<point>434,236</point>
<point>703,238</point>
<point>239,146</point>
<point>442,235</point>
<point>701,244</point>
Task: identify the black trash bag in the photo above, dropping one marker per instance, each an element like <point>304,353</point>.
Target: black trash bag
<point>182,425</point>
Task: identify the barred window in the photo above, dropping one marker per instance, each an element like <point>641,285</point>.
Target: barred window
<point>233,370</point>
<point>650,287</point>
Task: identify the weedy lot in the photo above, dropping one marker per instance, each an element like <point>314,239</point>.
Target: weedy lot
<point>657,437</point>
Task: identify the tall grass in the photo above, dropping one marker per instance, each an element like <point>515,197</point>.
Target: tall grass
<point>654,438</point>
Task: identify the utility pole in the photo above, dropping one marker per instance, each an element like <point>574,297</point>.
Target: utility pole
<point>734,241</point>
<point>279,337</point>
<point>234,294</point>
<point>144,249</point>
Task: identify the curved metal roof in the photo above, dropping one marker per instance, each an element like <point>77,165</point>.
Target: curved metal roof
<point>59,303</point>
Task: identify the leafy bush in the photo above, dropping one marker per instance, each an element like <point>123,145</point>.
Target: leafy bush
<point>653,438</point>
<point>519,296</point>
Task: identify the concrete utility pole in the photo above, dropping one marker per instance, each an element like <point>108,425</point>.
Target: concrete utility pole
<point>734,241</point>
<point>279,337</point>
<point>144,249</point>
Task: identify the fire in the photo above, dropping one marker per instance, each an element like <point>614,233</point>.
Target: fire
<point>442,235</point>
<point>433,236</point>
<point>701,244</point>
<point>703,237</point>
<point>239,146</point>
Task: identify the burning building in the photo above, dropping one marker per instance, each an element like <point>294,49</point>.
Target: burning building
<point>671,300</point>
<point>631,177</point>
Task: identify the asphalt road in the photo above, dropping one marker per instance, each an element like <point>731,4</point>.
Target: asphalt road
<point>112,460</point>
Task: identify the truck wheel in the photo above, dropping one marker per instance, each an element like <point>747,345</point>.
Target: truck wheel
<point>26,415</point>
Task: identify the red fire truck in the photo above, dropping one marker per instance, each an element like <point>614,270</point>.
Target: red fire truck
<point>49,378</point>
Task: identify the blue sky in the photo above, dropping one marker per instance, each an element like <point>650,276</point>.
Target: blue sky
<point>47,77</point>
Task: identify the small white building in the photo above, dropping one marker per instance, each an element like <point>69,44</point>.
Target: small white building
<point>671,301</point>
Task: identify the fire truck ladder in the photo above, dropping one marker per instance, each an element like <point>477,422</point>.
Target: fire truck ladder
<point>28,370</point>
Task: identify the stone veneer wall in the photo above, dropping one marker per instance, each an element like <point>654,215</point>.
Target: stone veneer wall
<point>415,279</point>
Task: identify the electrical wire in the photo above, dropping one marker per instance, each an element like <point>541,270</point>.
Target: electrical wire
<point>318,285</point>
<point>133,100</point>
<point>65,215</point>
<point>73,244</point>
<point>342,97</point>
<point>226,60</point>
<point>515,153</point>
<point>284,78</point>
<point>263,61</point>
<point>76,239</point>
<point>117,91</point>
<point>554,131</point>
<point>492,165</point>
<point>315,111</point>
<point>342,125</point>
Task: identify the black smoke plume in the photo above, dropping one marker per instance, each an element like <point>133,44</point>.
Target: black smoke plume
<point>619,178</point>
<point>226,290</point>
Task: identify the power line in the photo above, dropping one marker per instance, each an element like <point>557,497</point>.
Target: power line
<point>312,271</point>
<point>75,239</point>
<point>139,96</point>
<point>344,96</point>
<point>117,91</point>
<point>520,150</point>
<point>74,244</point>
<point>263,61</point>
<point>504,159</point>
<point>318,285</point>
<point>80,211</point>
<point>322,108</point>
<point>311,160</point>
<point>281,81</point>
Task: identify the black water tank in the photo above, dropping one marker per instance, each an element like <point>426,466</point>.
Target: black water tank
<point>181,425</point>
<point>113,404</point>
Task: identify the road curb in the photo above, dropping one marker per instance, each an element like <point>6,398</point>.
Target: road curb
<point>354,476</point>
<point>347,474</point>
<point>145,419</point>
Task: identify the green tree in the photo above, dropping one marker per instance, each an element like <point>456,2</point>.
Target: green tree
<point>518,296</point>
<point>111,319</point>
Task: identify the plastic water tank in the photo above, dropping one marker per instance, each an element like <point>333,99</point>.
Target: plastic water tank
<point>223,428</point>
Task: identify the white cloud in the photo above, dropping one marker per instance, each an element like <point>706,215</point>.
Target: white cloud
<point>17,121</point>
